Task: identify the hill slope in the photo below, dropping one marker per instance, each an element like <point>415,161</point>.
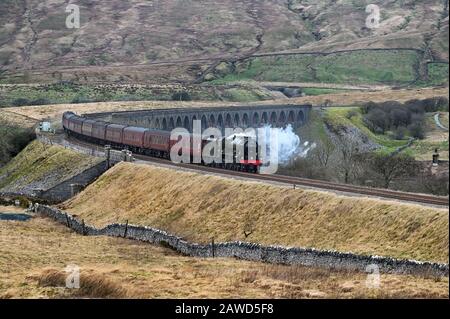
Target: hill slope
<point>117,38</point>
<point>200,207</point>
<point>36,252</point>
<point>41,166</point>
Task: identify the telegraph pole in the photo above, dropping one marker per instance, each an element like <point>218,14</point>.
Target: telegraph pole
<point>108,156</point>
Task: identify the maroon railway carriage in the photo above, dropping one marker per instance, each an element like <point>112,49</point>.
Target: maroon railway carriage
<point>94,130</point>
<point>99,131</point>
<point>76,124</point>
<point>114,133</point>
<point>66,117</point>
<point>134,136</point>
<point>141,140</point>
<point>87,127</point>
<point>157,140</point>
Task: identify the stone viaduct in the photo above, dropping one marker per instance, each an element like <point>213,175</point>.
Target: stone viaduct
<point>220,117</point>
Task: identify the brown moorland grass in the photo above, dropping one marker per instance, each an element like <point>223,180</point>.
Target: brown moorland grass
<point>337,99</point>
<point>34,254</point>
<point>92,283</point>
<point>199,207</point>
<point>207,29</point>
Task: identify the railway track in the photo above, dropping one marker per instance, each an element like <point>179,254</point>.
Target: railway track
<point>298,181</point>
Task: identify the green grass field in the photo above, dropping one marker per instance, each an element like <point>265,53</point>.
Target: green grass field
<point>364,67</point>
<point>438,73</point>
<point>315,130</point>
<point>243,95</point>
<point>339,116</point>
<point>420,149</point>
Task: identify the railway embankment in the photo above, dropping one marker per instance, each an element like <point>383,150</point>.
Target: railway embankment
<point>199,207</point>
<point>48,170</point>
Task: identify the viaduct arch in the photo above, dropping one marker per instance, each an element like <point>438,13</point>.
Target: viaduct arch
<point>220,117</point>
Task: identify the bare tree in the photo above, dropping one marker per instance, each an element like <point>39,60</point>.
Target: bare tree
<point>323,152</point>
<point>348,161</point>
<point>435,184</point>
<point>392,166</point>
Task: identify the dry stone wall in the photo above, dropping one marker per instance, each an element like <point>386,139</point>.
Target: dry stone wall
<point>64,190</point>
<point>248,251</point>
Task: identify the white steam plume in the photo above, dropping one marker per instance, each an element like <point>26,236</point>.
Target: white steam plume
<point>290,145</point>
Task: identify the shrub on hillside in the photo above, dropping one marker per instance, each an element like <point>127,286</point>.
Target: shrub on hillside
<point>12,140</point>
<point>416,106</point>
<point>436,104</point>
<point>399,118</point>
<point>377,120</point>
<point>41,101</point>
<point>351,114</point>
<point>181,96</point>
<point>368,106</point>
<point>399,133</point>
<point>429,105</point>
<point>416,130</point>
<point>20,102</point>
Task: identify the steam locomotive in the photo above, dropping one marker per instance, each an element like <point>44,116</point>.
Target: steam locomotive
<point>244,154</point>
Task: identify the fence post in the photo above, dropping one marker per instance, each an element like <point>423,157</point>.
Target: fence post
<point>213,248</point>
<point>83,232</point>
<point>126,230</point>
<point>67,219</point>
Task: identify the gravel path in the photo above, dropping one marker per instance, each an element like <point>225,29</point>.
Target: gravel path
<point>438,122</point>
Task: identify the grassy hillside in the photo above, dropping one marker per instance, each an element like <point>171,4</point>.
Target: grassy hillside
<point>438,73</point>
<point>121,41</point>
<point>200,207</point>
<point>339,117</point>
<point>67,92</point>
<point>35,253</point>
<point>364,67</point>
<point>421,149</point>
<point>42,166</point>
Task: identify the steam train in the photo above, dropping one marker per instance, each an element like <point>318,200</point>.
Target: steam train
<point>158,143</point>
